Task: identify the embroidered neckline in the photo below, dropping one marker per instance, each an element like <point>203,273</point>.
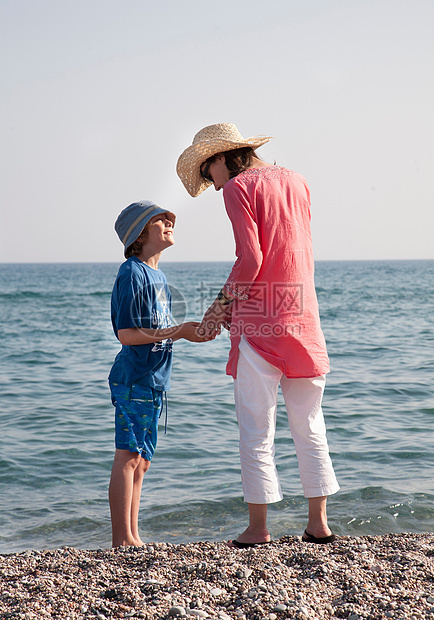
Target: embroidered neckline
<point>266,172</point>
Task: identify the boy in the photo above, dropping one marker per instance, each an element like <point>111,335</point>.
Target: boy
<point>140,309</point>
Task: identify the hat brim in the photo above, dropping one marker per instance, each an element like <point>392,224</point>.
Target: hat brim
<point>189,162</point>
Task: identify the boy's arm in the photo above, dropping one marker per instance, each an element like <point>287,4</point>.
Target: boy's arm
<point>135,336</point>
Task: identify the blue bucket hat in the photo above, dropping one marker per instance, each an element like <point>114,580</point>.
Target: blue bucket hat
<point>133,219</point>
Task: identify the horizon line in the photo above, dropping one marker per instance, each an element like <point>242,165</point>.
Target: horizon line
<point>112,262</point>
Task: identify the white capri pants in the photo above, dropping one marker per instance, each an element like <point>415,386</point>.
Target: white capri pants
<point>255,390</point>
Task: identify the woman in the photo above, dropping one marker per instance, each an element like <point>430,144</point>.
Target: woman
<point>270,303</point>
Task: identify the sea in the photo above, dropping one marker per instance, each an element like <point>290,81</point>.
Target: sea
<point>57,420</point>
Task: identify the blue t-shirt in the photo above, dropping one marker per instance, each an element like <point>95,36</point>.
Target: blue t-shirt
<point>141,298</point>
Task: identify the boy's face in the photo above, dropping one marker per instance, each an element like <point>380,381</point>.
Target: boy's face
<point>160,232</point>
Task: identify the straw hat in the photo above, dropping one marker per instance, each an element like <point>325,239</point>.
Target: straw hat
<point>207,142</point>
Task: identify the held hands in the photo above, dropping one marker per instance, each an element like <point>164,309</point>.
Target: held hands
<point>216,317</point>
<point>190,331</point>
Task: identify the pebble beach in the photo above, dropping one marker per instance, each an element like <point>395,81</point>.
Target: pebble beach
<point>369,577</point>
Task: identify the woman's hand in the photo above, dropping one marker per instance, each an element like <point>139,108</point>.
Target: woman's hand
<point>216,317</point>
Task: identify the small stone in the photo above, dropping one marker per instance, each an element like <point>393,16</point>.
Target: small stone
<point>430,600</point>
<point>304,611</point>
<point>216,591</point>
<point>110,594</point>
<point>177,611</point>
<point>353,617</point>
<point>272,617</point>
<point>244,573</point>
<point>279,607</point>
<point>197,612</point>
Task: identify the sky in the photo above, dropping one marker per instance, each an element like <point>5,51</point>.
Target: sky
<point>99,98</point>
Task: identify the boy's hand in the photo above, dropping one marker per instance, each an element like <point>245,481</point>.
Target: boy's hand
<point>189,331</point>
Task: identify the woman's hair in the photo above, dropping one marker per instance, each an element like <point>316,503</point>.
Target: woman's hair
<point>135,248</point>
<point>237,160</point>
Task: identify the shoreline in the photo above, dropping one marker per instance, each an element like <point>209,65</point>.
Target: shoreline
<point>369,577</point>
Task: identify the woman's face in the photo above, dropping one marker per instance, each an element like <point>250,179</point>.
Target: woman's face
<point>217,172</point>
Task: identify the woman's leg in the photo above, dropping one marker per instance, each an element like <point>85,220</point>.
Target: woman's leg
<point>303,398</point>
<point>255,390</point>
<point>317,521</point>
<point>121,492</point>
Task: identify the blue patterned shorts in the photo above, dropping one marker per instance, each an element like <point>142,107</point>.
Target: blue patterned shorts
<point>136,419</point>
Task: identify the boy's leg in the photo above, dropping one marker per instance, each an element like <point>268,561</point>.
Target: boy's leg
<point>121,492</point>
<point>149,404</point>
<point>140,471</point>
<point>137,412</point>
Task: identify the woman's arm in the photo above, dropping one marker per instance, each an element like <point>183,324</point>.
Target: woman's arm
<point>247,265</point>
<point>242,214</point>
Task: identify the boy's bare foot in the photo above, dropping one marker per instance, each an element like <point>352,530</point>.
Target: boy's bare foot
<point>127,543</point>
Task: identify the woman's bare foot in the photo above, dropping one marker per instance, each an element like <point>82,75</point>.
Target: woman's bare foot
<point>252,536</point>
<point>318,531</point>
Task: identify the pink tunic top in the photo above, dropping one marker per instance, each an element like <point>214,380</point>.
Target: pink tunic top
<point>276,308</point>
